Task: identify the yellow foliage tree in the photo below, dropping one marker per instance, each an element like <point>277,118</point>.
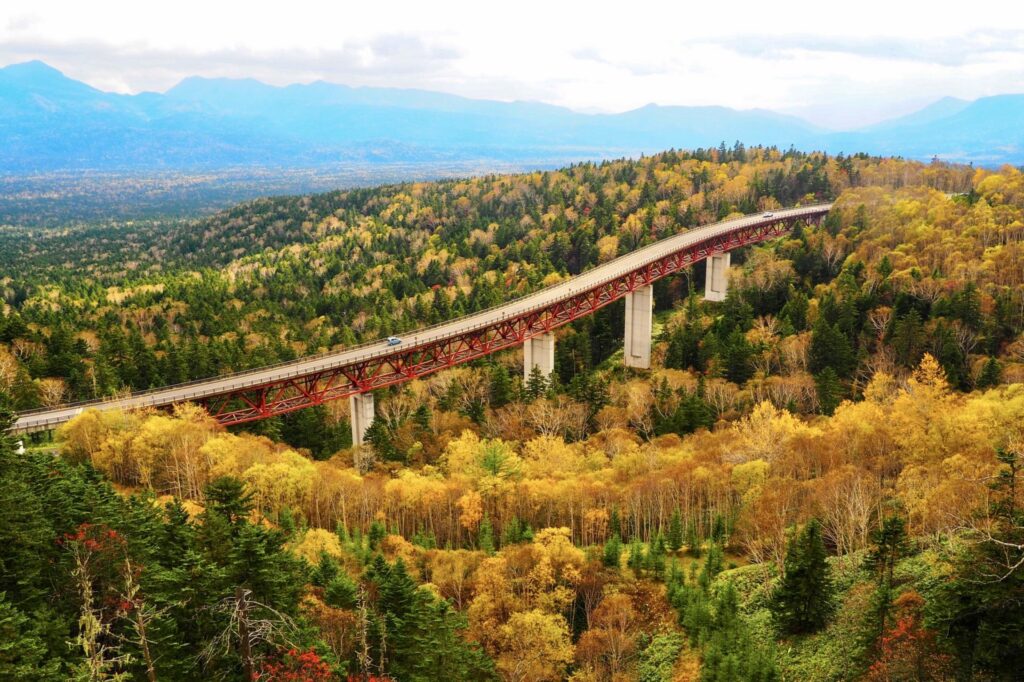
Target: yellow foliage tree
<point>535,647</point>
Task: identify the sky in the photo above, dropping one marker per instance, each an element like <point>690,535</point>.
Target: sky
<point>839,65</point>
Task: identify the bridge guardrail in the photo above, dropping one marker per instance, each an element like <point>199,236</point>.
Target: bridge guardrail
<point>713,229</point>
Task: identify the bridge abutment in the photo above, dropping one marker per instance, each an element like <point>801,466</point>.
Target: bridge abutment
<point>361,408</point>
<point>716,282</point>
<point>539,352</point>
<point>639,317</point>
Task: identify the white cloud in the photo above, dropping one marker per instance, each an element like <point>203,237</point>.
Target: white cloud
<point>839,64</point>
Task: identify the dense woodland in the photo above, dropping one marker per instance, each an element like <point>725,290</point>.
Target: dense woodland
<point>817,480</point>
<point>91,312</point>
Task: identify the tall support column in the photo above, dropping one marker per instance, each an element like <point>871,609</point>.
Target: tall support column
<point>539,352</point>
<point>361,407</point>
<point>639,312</point>
<point>716,284</point>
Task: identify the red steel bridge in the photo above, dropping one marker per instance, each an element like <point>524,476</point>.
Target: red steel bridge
<point>354,372</point>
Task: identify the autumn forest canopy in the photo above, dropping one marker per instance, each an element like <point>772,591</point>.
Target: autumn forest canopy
<point>818,478</point>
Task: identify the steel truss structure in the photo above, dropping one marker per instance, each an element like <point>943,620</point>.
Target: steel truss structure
<point>293,393</point>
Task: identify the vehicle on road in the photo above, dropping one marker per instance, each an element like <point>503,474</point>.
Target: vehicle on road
<point>769,214</point>
<point>392,340</point>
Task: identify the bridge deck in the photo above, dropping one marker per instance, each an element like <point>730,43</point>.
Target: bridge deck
<point>316,366</point>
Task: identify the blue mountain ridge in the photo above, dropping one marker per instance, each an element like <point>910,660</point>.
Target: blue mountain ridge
<point>51,122</point>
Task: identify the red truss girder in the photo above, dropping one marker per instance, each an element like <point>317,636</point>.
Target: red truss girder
<point>294,393</point>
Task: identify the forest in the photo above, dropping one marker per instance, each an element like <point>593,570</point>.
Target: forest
<point>817,479</point>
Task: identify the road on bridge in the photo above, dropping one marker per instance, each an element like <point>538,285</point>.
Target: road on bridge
<point>321,366</point>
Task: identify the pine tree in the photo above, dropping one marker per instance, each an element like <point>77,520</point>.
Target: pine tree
<point>907,339</point>
<point>379,436</point>
<point>802,602</point>
<point>655,559</point>
<point>675,531</point>
<point>636,555</point>
<point>714,562</point>
<point>889,545</point>
<point>23,652</point>
<point>260,563</point>
<point>830,347</point>
<point>830,391</point>
<point>485,536</point>
<point>177,534</point>
<point>422,417</point>
<point>718,528</point>
<point>325,571</point>
<point>693,540</point>
<point>612,552</point>
<point>979,614</point>
<point>991,374</point>
<point>657,660</point>
<point>341,530</point>
<point>430,647</point>
<point>228,497</point>
<point>615,523</point>
<point>537,384</point>
<point>341,591</point>
<point>377,533</point>
<point>736,358</point>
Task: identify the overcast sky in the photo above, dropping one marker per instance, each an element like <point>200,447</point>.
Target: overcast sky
<point>837,64</point>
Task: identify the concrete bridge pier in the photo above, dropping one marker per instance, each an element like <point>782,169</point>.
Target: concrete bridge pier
<point>716,283</point>
<point>361,407</point>
<point>639,312</point>
<point>539,351</point>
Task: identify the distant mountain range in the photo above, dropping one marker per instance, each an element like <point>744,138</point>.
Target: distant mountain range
<point>49,122</point>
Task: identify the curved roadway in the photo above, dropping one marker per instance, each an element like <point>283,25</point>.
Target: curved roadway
<point>37,420</point>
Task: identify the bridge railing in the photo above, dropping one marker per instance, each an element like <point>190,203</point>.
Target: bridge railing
<point>650,249</point>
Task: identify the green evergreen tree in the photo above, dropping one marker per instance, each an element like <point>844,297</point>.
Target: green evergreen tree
<point>536,384</point>
<point>380,437</point>
<point>228,497</point>
<point>377,533</point>
<point>830,391</point>
<point>23,651</point>
<point>693,540</point>
<point>730,653</point>
<point>978,609</point>
<point>512,533</point>
<point>422,417</point>
<point>718,528</point>
<point>795,310</point>
<point>657,660</point>
<point>991,373</point>
<point>325,571</point>
<point>802,602</point>
<point>612,552</point>
<point>714,563</point>
<point>889,544</point>
<point>286,521</point>
<point>258,561</point>
<point>654,558</point>
<point>615,523</point>
<point>830,348</point>
<point>341,592</point>
<point>907,339</point>
<point>485,536</point>
<point>636,555</point>
<point>675,531</point>
<point>736,358</point>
